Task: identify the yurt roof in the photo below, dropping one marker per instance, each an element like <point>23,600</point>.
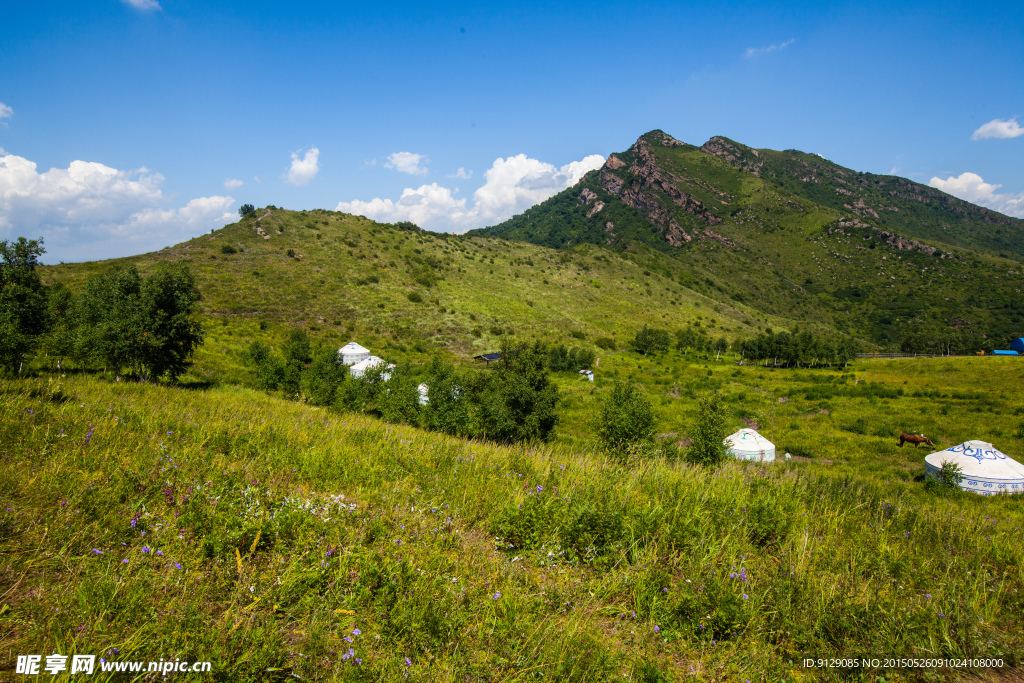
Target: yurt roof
<point>979,459</point>
<point>353,347</point>
<point>748,440</point>
<point>370,362</point>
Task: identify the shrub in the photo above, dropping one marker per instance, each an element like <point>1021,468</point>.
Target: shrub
<point>291,253</point>
<point>708,434</point>
<point>577,334</point>
<point>228,249</point>
<point>321,380</point>
<point>947,480</point>
<point>605,343</point>
<point>415,297</point>
<point>245,209</point>
<point>626,419</point>
<point>649,340</point>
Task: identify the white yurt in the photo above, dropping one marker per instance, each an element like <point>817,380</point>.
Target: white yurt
<point>986,470</point>
<point>358,369</point>
<point>747,444</point>
<point>353,353</point>
<point>423,391</point>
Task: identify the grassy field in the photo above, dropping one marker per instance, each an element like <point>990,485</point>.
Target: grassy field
<point>273,538</point>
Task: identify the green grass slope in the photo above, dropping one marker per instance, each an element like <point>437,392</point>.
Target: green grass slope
<point>733,220</point>
<point>278,540</point>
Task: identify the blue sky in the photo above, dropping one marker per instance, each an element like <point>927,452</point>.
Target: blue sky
<point>128,125</point>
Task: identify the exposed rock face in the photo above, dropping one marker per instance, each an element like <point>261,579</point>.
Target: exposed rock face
<point>740,156</point>
<point>598,205</point>
<point>614,163</point>
<point>587,195</point>
<point>643,193</point>
<point>905,243</point>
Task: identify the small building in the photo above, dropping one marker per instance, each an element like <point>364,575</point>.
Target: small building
<point>353,353</point>
<point>588,374</point>
<point>1018,345</point>
<point>747,444</point>
<point>423,390</point>
<point>359,369</point>
<point>488,357</point>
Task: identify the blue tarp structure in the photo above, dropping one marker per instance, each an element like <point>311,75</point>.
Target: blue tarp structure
<point>1018,345</point>
<point>1005,353</point>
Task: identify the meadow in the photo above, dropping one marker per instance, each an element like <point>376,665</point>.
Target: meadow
<point>277,539</point>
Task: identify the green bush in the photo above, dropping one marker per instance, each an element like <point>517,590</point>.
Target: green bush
<point>650,340</point>
<point>245,209</point>
<point>291,253</point>
<point>228,249</point>
<point>707,435</point>
<point>605,343</point>
<point>321,380</point>
<point>415,297</point>
<point>946,481</point>
<point>626,419</point>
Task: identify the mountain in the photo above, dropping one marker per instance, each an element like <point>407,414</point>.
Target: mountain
<point>793,234</point>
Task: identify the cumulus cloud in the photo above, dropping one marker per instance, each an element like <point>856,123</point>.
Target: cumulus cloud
<point>997,128</point>
<point>462,173</point>
<point>5,112</point>
<point>232,183</point>
<point>972,188</point>
<point>93,211</point>
<point>303,169</point>
<point>510,187</point>
<point>144,5</point>
<point>407,162</point>
<point>755,51</point>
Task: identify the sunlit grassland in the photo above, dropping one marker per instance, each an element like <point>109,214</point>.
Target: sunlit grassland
<point>351,278</point>
<point>266,533</point>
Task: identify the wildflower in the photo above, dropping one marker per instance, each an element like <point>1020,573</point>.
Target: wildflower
<point>664,590</point>
<point>358,661</point>
<point>539,488</point>
<point>145,548</point>
<point>177,565</point>
<point>407,662</point>
<point>347,639</point>
<point>928,595</point>
<point>124,561</point>
<point>356,632</point>
<point>133,522</point>
<point>97,551</point>
<point>745,597</point>
<point>160,553</point>
<point>657,628</point>
<point>496,596</point>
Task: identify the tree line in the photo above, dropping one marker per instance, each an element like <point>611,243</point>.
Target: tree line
<point>119,321</point>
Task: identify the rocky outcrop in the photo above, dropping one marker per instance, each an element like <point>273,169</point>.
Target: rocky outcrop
<point>598,205</point>
<point>614,163</point>
<point>740,156</point>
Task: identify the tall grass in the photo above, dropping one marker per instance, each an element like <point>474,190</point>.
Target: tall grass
<point>273,538</point>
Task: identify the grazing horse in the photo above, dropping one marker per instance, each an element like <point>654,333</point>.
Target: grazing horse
<point>915,439</point>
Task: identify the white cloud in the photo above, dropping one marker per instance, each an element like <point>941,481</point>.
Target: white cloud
<point>93,211</point>
<point>997,128</point>
<point>972,188</point>
<point>462,173</point>
<point>144,5</point>
<point>5,112</point>
<point>256,178</point>
<point>232,183</point>
<point>407,162</point>
<point>510,187</point>
<point>755,51</point>
<point>305,169</point>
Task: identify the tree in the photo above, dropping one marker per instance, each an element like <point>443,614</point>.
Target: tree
<point>626,419</point>
<point>447,408</point>
<point>296,353</point>
<point>59,341</point>
<point>650,340</point>
<point>245,209</point>
<point>321,380</point>
<point>268,366</point>
<point>707,436</point>
<point>517,401</point>
<point>399,402</point>
<point>171,333</point>
<point>112,324</point>
<point>23,301</point>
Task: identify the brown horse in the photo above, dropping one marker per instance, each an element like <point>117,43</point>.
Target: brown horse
<point>915,439</point>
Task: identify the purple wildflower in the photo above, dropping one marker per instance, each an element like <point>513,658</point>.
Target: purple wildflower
<point>160,553</point>
<point>356,632</point>
<point>177,565</point>
<point>496,596</point>
<point>97,551</point>
<point>124,561</point>
<point>407,662</point>
<point>656,628</point>
<point>145,548</point>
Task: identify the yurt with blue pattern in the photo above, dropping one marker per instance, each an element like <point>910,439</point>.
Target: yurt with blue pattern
<point>986,470</point>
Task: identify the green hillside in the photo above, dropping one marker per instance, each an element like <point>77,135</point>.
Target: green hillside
<point>792,234</point>
<point>408,294</point>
